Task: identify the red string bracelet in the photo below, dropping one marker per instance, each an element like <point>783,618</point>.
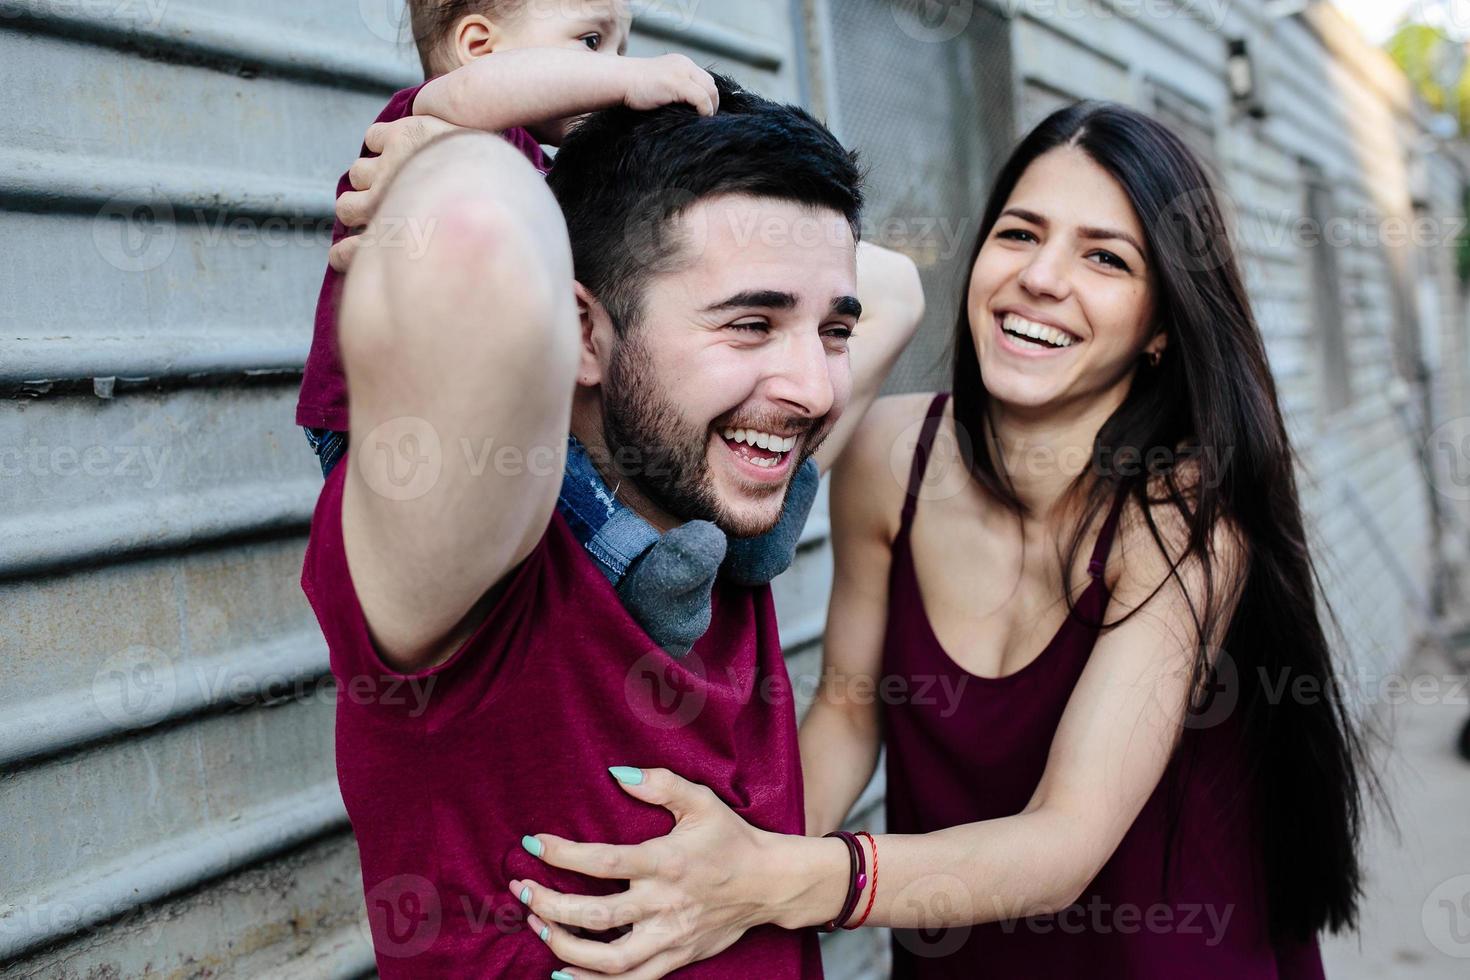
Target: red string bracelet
<point>874,893</point>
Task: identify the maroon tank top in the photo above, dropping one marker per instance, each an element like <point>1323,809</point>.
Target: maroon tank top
<point>963,748</point>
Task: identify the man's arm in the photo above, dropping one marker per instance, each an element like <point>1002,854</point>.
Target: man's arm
<point>528,86</point>
<point>893,307</point>
<point>459,336</point>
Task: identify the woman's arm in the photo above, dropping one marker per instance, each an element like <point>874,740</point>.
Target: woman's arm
<point>841,733</point>
<point>1110,751</point>
<point>714,875</point>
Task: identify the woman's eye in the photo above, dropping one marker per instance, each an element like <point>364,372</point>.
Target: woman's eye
<point>593,41</point>
<point>1108,258</point>
<point>1016,235</point>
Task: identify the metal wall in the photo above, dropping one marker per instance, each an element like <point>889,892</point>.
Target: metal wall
<point>168,802</point>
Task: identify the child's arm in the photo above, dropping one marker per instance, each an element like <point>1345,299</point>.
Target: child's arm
<point>528,86</point>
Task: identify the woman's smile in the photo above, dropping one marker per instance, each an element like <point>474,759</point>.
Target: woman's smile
<point>1027,337</point>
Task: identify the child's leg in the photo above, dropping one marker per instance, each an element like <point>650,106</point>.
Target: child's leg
<point>329,447</point>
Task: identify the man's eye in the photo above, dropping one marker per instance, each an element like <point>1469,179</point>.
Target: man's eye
<point>843,334</point>
<point>593,41</point>
<point>757,326</point>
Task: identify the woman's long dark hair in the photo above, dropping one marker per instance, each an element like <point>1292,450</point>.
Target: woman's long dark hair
<point>1212,401</point>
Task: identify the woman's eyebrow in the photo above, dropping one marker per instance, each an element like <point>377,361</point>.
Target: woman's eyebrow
<point>1028,216</point>
<point>1092,234</point>
<point>1110,234</point>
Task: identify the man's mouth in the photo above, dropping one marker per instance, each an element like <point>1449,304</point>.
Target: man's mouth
<point>766,450</point>
<point>1030,335</point>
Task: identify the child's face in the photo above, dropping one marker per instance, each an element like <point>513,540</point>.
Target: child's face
<point>595,26</point>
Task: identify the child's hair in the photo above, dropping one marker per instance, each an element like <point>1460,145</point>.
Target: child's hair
<point>432,21</point>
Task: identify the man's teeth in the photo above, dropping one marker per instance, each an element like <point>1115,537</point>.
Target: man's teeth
<point>1021,327</point>
<point>761,440</point>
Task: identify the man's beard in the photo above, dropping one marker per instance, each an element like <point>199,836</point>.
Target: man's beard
<point>651,444</point>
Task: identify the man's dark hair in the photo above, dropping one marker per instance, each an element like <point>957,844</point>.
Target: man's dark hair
<point>624,177</point>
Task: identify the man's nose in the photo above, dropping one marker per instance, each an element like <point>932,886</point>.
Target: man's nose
<point>802,379</point>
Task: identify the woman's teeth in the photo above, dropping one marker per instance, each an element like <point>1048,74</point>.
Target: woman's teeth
<point>1037,334</point>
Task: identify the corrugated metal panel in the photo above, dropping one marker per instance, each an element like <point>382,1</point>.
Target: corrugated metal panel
<point>167,789</point>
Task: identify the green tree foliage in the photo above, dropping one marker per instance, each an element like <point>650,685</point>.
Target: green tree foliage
<point>1426,55</point>
<point>1420,51</point>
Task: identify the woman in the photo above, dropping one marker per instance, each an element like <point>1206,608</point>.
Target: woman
<point>1084,620</point>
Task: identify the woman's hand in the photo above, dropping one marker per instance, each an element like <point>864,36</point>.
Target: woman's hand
<point>394,142</point>
<point>691,894</point>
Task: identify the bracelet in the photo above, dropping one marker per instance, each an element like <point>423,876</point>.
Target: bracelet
<point>874,893</point>
<point>857,866</point>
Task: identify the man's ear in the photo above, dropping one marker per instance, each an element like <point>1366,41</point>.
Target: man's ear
<point>473,37</point>
<point>597,336</point>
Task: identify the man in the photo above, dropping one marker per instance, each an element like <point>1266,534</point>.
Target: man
<point>693,336</point>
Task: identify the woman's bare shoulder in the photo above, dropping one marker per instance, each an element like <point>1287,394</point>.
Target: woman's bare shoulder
<point>871,478</point>
<point>888,433</point>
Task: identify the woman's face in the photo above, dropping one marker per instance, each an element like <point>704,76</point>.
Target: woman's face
<point>1061,300</point>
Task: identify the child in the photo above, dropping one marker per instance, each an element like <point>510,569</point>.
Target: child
<point>554,61</point>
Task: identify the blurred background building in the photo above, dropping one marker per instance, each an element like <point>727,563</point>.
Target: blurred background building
<point>168,803</point>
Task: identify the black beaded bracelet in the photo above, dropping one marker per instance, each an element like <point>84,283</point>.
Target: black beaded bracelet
<point>857,866</point>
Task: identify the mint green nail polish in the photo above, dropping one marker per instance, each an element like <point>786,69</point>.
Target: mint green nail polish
<point>545,933</point>
<point>533,846</point>
<point>562,975</point>
<point>627,775</point>
<point>526,895</point>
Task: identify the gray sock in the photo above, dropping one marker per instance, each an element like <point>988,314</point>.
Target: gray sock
<point>668,590</point>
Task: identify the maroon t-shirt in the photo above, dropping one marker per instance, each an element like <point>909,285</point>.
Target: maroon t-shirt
<point>323,401</point>
<point>444,772</point>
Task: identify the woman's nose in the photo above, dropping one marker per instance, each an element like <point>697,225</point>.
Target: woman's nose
<point>1045,276</point>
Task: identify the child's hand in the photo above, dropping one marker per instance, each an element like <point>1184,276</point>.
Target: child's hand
<point>394,142</point>
<point>670,79</point>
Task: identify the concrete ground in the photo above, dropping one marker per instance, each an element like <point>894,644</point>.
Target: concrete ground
<point>1416,917</point>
